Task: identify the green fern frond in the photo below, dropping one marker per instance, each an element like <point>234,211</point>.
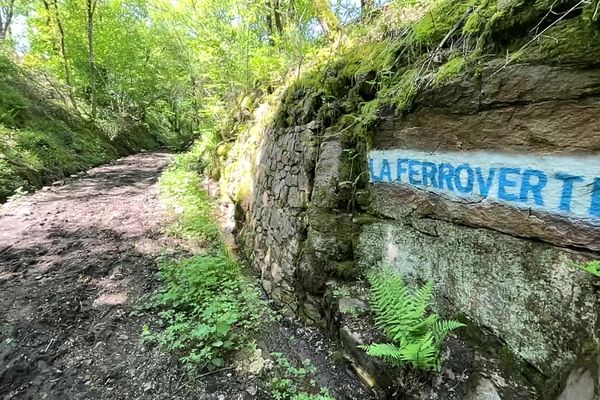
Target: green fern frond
<point>416,336</point>
<point>442,328</point>
<point>422,353</point>
<point>385,350</point>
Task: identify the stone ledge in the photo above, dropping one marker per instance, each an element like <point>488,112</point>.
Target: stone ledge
<point>398,202</point>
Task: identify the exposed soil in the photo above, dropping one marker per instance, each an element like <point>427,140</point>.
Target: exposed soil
<point>77,266</point>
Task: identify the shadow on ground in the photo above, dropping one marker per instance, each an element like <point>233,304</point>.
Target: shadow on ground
<point>78,267</point>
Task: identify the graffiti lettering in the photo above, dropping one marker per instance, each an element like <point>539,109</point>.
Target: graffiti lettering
<point>559,184</point>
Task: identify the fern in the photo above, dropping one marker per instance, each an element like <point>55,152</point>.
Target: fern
<point>593,267</point>
<point>416,335</point>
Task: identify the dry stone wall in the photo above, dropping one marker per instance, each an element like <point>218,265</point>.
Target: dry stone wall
<point>275,221</point>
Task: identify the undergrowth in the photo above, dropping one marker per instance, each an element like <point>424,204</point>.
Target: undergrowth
<point>290,382</point>
<point>180,189</point>
<point>210,309</point>
<point>416,333</point>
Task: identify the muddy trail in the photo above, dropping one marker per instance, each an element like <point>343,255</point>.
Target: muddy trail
<point>77,266</point>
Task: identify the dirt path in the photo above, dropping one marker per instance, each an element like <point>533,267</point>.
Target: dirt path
<point>73,262</point>
<point>76,263</point>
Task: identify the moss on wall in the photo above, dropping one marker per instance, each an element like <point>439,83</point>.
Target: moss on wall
<point>570,41</point>
<point>449,70</point>
<point>368,76</point>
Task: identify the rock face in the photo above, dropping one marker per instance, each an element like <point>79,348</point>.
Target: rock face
<point>524,110</point>
<point>484,391</point>
<point>312,221</point>
<point>525,292</point>
<point>580,385</point>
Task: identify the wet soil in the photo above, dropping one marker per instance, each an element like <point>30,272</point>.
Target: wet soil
<point>77,267</point>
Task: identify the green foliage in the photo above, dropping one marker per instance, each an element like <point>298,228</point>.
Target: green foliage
<point>209,309</point>
<point>10,180</point>
<point>467,17</point>
<point>366,57</point>
<point>483,12</point>
<point>12,104</point>
<point>593,267</point>
<point>449,70</point>
<point>570,40</point>
<point>591,12</point>
<point>292,382</point>
<point>323,395</point>
<point>175,71</point>
<point>42,140</point>
<point>439,20</point>
<point>416,333</point>
<point>403,92</point>
<point>180,188</point>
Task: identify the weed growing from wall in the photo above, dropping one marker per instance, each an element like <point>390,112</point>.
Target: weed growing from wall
<point>416,334</point>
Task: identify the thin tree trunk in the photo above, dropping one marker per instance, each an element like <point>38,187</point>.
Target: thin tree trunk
<point>6,14</point>
<point>62,49</point>
<point>91,8</point>
<point>278,18</point>
<point>270,24</point>
<point>275,20</point>
<point>328,20</point>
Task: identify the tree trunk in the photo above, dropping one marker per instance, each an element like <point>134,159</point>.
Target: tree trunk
<point>270,23</point>
<point>62,49</point>
<point>91,8</point>
<point>274,20</point>
<point>7,9</point>
<point>278,18</point>
<point>328,20</point>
